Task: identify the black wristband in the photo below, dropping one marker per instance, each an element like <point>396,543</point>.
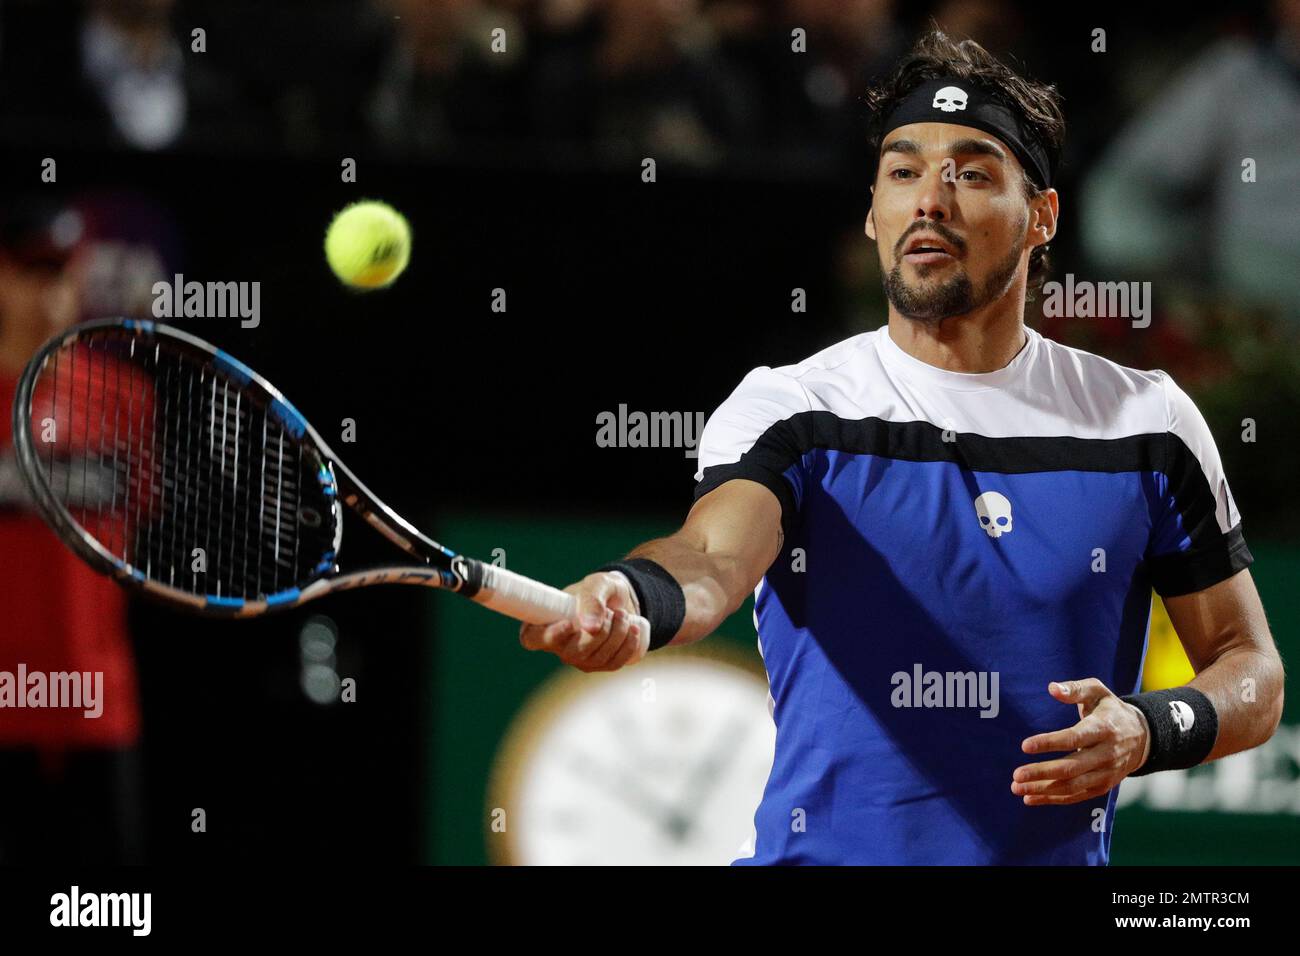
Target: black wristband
<point>1184,727</point>
<point>659,596</point>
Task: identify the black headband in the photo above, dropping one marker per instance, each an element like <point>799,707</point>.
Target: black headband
<point>947,100</point>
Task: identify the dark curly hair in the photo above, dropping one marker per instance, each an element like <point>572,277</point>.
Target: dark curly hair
<point>936,55</point>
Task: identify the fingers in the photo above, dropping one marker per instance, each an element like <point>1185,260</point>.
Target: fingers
<point>610,652</point>
<point>593,604</point>
<point>633,649</point>
<point>556,638</point>
<point>1085,733</point>
<point>1073,792</point>
<point>1031,775</point>
<point>1094,780</point>
<point>1098,747</point>
<point>602,636</point>
<point>1087,693</point>
<point>605,648</point>
<point>1090,773</point>
<point>1084,775</point>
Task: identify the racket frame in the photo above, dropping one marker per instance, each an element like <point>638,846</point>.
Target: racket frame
<point>439,567</point>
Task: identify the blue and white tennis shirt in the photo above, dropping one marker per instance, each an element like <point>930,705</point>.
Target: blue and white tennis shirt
<point>943,530</point>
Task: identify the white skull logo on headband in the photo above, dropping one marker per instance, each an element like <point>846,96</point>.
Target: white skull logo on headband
<point>950,99</point>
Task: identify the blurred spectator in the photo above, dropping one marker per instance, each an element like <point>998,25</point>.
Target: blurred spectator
<point>114,72</point>
<point>442,81</point>
<point>1168,198</point>
<point>994,24</point>
<point>70,780</point>
<point>127,245</point>
<point>135,68</point>
<point>817,105</point>
<point>639,78</point>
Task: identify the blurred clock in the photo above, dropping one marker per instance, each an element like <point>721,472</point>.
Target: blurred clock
<point>660,763</point>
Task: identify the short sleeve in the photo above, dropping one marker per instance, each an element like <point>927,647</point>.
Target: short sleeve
<point>755,434</point>
<point>1196,537</point>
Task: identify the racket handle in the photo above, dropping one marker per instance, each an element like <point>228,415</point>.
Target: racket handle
<point>532,602</point>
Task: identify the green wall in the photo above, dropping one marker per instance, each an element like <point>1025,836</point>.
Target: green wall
<point>478,673</point>
<point>479,676</point>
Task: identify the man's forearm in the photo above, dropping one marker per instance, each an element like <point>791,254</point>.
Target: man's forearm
<point>1245,686</point>
<point>715,583</point>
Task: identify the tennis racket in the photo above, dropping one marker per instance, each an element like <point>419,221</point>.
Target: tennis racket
<point>178,470</point>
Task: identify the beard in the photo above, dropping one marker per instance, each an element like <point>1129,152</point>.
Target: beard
<point>957,295</point>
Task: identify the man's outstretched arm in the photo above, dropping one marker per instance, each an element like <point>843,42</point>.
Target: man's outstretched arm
<point>730,538</point>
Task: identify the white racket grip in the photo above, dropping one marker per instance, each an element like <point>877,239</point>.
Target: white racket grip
<point>532,602</point>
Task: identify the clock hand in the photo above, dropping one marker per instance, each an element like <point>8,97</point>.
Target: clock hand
<point>630,792</point>
<point>707,771</point>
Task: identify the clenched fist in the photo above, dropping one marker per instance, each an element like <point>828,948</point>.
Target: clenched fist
<point>607,632</point>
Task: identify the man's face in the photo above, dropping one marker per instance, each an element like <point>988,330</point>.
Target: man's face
<point>950,219</point>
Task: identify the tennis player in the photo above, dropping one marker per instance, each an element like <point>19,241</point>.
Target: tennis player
<point>68,782</point>
<point>952,527</point>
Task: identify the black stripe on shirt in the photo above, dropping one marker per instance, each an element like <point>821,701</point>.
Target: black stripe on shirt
<point>1211,557</point>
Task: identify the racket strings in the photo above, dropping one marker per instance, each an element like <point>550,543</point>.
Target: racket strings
<point>177,469</point>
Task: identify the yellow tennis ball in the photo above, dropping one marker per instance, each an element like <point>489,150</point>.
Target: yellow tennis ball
<point>368,244</point>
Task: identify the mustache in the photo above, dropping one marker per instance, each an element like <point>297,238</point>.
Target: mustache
<point>938,228</point>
